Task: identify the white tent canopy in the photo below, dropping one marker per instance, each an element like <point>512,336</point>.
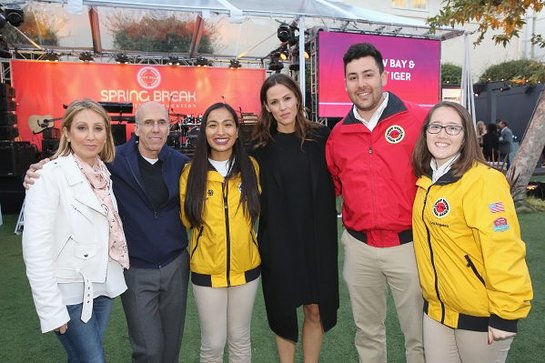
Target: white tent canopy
<point>237,10</point>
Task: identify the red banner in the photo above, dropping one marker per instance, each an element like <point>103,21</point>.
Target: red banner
<point>42,88</point>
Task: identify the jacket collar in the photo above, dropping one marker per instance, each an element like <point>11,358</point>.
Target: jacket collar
<point>395,105</point>
<point>447,178</point>
<point>76,180</point>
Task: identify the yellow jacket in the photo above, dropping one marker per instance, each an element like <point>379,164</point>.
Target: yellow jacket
<point>471,259</point>
<point>223,250</point>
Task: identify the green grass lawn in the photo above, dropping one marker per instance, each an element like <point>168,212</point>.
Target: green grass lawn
<point>21,340</point>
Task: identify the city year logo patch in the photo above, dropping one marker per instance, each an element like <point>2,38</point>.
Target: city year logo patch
<point>501,225</point>
<point>394,134</point>
<point>148,77</point>
<point>441,208</point>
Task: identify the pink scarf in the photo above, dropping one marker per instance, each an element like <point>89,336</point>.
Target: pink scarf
<point>99,179</point>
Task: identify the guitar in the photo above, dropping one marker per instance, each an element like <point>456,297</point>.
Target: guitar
<point>38,123</point>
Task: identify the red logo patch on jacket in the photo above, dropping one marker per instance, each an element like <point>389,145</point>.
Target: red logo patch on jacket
<point>394,134</point>
<point>441,208</point>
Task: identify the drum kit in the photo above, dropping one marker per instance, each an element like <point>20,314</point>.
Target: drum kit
<point>184,130</point>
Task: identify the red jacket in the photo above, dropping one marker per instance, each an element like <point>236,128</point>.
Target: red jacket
<point>373,173</point>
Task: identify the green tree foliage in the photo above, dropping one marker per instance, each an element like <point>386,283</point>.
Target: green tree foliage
<point>517,71</point>
<point>171,34</point>
<point>41,29</point>
<point>505,16</point>
<point>451,74</point>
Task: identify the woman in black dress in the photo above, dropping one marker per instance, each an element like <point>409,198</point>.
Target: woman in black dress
<point>298,223</point>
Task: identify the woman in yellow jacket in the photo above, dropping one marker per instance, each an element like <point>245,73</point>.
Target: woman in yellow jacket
<point>219,194</point>
<point>470,257</point>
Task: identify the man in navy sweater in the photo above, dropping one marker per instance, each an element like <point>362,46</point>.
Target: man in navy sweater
<point>145,176</point>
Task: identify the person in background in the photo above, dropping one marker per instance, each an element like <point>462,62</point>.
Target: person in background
<point>145,175</point>
<point>491,143</point>
<point>505,142</point>
<point>470,257</point>
<point>481,131</point>
<point>298,223</point>
<point>74,247</point>
<point>368,155</point>
<point>219,194</point>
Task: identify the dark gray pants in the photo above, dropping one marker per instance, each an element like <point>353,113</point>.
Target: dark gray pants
<point>155,304</point>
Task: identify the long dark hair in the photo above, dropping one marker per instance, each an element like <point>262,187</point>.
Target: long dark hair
<point>470,152</point>
<point>197,178</point>
<point>266,124</point>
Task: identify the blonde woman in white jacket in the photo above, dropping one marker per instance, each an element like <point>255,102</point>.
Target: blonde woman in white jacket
<point>73,242</point>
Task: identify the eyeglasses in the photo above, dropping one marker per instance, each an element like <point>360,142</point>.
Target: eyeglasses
<point>151,123</point>
<point>451,130</point>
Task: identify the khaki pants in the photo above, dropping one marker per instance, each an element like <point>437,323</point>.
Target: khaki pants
<point>225,315</point>
<point>368,272</point>
<point>446,345</point>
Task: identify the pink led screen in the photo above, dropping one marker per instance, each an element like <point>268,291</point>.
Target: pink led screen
<point>413,67</point>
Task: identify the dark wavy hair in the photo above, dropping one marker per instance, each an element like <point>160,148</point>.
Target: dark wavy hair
<point>470,152</point>
<point>198,175</point>
<point>267,125</point>
<point>360,50</point>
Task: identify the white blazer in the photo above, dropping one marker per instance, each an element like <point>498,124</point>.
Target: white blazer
<point>65,239</point>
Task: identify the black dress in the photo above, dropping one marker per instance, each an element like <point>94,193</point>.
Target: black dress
<point>297,231</point>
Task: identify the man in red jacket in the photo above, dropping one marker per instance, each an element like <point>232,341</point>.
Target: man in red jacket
<point>369,156</point>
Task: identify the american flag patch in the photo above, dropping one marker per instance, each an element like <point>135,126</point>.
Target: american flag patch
<point>496,207</point>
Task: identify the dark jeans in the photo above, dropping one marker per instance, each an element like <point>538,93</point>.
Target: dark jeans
<point>83,341</point>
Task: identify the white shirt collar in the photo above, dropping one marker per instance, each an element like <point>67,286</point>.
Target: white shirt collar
<point>438,172</point>
<point>372,123</point>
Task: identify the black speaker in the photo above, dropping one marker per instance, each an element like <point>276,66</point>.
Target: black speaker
<point>12,194</point>
<point>49,147</point>
<point>6,91</point>
<point>8,118</point>
<point>16,157</point>
<point>119,133</point>
<point>8,132</point>
<point>7,104</point>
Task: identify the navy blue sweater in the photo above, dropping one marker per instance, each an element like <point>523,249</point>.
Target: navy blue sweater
<point>154,237</point>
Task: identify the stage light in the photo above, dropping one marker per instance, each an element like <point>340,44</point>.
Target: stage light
<point>294,67</point>
<point>14,14</point>
<point>202,62</point>
<point>173,61</point>
<point>234,64</point>
<point>86,57</point>
<point>295,52</point>
<point>51,56</point>
<point>284,32</point>
<point>121,58</point>
<point>275,64</point>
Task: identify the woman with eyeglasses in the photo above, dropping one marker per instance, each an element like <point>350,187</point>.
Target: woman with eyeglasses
<point>470,257</point>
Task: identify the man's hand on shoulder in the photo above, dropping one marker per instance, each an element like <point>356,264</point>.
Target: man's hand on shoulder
<point>32,172</point>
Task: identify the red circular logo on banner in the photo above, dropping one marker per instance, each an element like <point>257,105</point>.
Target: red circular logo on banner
<point>148,77</point>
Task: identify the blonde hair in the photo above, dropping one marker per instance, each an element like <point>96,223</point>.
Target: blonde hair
<point>108,152</point>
